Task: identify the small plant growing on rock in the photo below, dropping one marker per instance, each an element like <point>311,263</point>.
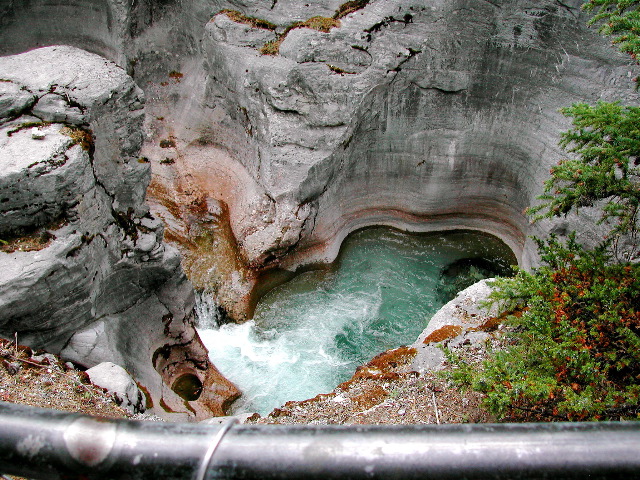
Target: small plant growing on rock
<point>31,239</point>
<point>350,7</point>
<point>339,70</point>
<point>80,136</point>
<point>238,17</point>
<point>175,75</point>
<point>574,352</point>
<point>167,143</point>
<point>322,24</point>
<point>272,47</point>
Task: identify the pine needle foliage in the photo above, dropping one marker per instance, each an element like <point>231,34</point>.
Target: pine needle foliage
<point>604,169</point>
<point>573,351</point>
<point>574,346</point>
<point>620,20</point>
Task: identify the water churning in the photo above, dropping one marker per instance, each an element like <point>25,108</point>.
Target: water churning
<point>308,335</point>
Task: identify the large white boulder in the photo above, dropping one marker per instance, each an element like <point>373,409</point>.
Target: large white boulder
<point>120,384</point>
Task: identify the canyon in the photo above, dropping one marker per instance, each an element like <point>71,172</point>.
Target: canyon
<point>423,116</point>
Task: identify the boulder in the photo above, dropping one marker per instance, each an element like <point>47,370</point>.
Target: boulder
<point>13,99</point>
<point>463,320</point>
<point>120,384</point>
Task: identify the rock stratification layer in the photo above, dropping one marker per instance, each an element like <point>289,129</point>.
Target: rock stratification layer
<point>84,269</point>
<point>421,115</point>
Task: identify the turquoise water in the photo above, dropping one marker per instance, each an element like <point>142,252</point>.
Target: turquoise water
<point>309,334</point>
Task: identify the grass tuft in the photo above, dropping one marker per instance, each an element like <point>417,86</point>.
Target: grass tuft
<point>339,70</point>
<point>272,47</point>
<point>80,136</point>
<point>322,24</point>
<point>350,7</point>
<point>252,21</point>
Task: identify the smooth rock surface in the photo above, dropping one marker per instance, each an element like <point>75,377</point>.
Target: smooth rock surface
<point>450,121</point>
<point>460,320</point>
<point>419,115</point>
<point>422,116</point>
<point>119,383</point>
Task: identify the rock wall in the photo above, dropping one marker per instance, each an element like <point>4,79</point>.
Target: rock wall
<point>84,270</point>
<point>420,115</point>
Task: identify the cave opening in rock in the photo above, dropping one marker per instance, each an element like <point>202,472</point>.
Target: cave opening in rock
<point>309,334</point>
<point>188,387</point>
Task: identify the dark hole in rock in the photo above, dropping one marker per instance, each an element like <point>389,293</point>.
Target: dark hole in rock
<point>464,272</point>
<point>188,387</point>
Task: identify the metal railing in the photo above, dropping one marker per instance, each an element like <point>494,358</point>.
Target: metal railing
<point>48,444</point>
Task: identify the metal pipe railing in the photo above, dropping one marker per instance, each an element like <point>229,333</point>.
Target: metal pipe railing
<point>47,444</point>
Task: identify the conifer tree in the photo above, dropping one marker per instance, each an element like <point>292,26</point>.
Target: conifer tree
<point>573,351</point>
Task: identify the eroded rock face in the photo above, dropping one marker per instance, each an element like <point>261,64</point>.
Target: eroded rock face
<point>422,115</point>
<point>101,286</point>
<point>419,115</point>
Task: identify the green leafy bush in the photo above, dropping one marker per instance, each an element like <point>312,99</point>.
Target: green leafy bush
<point>573,347</point>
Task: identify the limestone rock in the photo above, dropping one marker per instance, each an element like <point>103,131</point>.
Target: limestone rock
<point>460,320</point>
<point>44,174</point>
<point>419,115</point>
<point>13,100</point>
<point>119,383</point>
<point>54,108</point>
<point>104,287</point>
<point>434,118</point>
